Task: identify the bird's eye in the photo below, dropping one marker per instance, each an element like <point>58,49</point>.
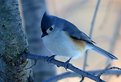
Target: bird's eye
<point>50,29</point>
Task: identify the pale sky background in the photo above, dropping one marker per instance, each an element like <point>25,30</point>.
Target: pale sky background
<point>80,13</point>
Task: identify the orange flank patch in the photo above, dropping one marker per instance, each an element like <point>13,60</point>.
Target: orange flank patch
<point>81,45</point>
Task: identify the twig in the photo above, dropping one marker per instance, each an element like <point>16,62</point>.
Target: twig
<point>94,72</point>
<point>91,31</point>
<point>82,79</point>
<point>62,64</point>
<point>62,76</point>
<point>111,68</point>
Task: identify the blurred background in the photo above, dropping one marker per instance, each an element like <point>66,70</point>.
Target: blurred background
<point>106,32</point>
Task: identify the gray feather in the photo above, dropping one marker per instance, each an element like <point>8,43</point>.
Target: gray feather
<point>71,29</point>
<point>103,52</point>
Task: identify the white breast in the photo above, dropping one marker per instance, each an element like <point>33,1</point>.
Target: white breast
<point>61,44</point>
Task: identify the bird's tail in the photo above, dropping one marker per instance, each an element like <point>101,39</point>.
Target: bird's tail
<point>103,52</point>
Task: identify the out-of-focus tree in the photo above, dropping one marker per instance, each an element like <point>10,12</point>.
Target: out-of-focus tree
<point>33,11</point>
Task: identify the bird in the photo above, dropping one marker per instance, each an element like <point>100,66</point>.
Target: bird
<point>63,38</point>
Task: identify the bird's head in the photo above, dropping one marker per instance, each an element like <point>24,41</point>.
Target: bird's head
<point>46,25</point>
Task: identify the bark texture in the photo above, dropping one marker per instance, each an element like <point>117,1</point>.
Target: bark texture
<point>12,43</point>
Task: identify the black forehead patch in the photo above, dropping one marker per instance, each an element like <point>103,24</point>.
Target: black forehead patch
<point>46,22</point>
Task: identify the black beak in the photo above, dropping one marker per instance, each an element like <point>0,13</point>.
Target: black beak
<point>43,34</point>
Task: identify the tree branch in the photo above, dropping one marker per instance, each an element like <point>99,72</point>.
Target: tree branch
<point>72,74</point>
<point>62,64</point>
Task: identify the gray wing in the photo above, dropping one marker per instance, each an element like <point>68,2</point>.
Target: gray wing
<point>70,29</point>
<point>75,33</point>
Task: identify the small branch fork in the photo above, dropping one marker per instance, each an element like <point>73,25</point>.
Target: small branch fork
<point>94,75</point>
<point>99,73</point>
<point>62,64</point>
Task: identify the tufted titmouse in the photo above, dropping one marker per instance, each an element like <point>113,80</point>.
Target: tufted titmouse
<point>65,39</point>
